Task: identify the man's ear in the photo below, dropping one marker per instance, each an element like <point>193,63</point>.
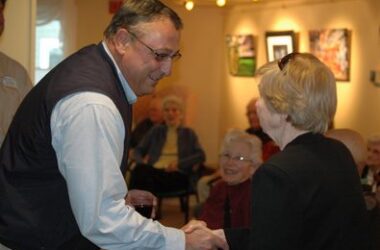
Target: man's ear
<point>121,40</point>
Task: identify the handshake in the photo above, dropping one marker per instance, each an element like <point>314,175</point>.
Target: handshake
<point>198,236</point>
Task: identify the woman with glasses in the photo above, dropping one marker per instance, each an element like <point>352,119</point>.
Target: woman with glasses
<point>228,205</point>
<point>308,196</point>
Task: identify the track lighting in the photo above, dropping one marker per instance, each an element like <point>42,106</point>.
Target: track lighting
<point>220,3</point>
<point>189,5</point>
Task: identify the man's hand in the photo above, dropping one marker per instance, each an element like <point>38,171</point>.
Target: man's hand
<point>193,225</point>
<point>136,196</point>
<point>198,236</point>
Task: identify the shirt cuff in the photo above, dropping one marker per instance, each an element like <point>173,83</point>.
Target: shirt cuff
<point>175,239</point>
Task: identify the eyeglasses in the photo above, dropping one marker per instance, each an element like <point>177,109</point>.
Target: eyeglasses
<point>160,57</point>
<point>285,60</point>
<point>225,157</point>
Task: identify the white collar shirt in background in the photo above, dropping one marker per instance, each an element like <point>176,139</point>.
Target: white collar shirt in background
<point>88,138</point>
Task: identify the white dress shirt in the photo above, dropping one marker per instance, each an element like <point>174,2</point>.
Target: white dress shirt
<point>88,138</point>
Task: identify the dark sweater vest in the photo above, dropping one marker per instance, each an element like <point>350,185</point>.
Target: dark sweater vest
<point>35,212</point>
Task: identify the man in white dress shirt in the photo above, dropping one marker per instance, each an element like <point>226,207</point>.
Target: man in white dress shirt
<point>60,181</point>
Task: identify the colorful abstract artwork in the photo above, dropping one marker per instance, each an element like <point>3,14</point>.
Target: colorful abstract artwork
<point>332,46</point>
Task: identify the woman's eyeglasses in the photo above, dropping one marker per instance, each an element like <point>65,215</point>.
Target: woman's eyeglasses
<point>225,157</point>
<point>285,60</point>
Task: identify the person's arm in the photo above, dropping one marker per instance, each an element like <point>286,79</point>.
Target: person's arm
<point>88,137</point>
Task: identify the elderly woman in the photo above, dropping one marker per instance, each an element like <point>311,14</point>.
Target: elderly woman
<point>308,196</point>
<point>230,199</point>
<point>167,155</point>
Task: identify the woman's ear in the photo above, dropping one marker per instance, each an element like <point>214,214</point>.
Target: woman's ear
<point>121,40</point>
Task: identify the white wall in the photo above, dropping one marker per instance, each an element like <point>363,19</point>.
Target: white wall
<point>17,40</point>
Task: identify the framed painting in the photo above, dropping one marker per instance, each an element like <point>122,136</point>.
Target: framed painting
<point>332,46</point>
<point>279,44</point>
<point>241,55</point>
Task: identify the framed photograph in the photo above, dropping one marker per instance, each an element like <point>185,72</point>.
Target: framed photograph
<point>241,55</point>
<point>279,44</point>
<point>332,46</point>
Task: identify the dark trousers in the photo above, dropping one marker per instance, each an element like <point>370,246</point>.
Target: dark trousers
<point>146,177</point>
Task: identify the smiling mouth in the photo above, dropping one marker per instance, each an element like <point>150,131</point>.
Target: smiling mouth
<point>156,79</point>
<point>230,171</point>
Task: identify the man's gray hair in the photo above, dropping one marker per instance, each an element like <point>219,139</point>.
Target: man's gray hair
<point>134,12</point>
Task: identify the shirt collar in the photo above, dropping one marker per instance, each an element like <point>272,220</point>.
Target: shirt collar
<point>131,96</point>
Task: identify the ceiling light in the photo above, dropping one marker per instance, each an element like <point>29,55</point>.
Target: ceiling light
<point>189,5</point>
<point>220,3</point>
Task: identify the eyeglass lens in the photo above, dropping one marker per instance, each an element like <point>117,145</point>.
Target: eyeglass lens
<point>158,56</point>
<point>227,157</point>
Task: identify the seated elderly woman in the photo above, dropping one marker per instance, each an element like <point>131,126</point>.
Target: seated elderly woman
<point>228,205</point>
<point>167,155</point>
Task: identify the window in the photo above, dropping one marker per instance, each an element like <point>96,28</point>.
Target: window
<point>49,48</point>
